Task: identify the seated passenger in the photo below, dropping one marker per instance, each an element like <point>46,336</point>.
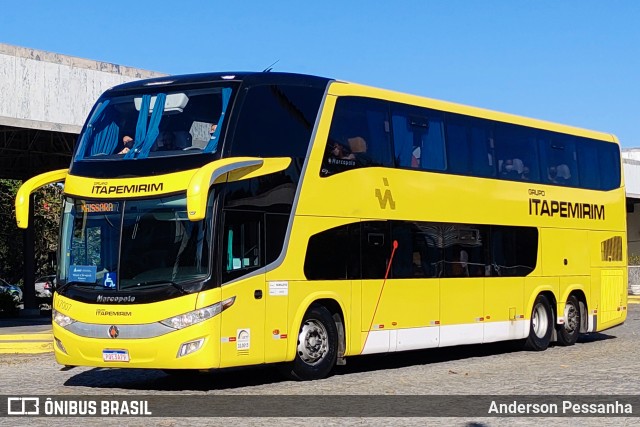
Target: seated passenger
<point>165,141</point>
<point>518,165</point>
<point>563,174</point>
<point>127,143</point>
<point>552,175</point>
<point>339,151</point>
<point>415,157</point>
<point>337,159</point>
<point>358,147</point>
<point>509,170</point>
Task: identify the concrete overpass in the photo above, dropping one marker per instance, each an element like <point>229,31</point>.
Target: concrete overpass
<point>44,100</point>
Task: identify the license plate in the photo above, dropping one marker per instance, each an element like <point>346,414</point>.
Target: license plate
<point>115,355</point>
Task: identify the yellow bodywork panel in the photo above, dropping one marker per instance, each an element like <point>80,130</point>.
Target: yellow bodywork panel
<point>613,297</point>
<point>230,169</point>
<point>155,352</point>
<point>503,299</point>
<point>31,185</point>
<point>117,188</point>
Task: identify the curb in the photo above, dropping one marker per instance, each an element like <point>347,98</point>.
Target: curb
<point>633,299</point>
<point>26,343</point>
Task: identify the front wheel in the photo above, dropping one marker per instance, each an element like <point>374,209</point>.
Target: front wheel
<point>568,333</point>
<point>541,325</point>
<point>316,351</point>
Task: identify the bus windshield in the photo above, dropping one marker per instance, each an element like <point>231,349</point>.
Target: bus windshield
<point>132,244</point>
<point>135,125</point>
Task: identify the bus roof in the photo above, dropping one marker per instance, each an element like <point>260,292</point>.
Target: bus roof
<point>249,78</point>
<point>342,88</point>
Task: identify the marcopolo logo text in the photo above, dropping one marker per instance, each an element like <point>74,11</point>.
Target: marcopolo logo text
<point>115,299</point>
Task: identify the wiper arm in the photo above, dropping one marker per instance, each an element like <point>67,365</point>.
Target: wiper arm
<point>63,287</point>
<point>163,282</point>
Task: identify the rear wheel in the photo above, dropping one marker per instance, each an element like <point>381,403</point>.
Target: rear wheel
<point>569,331</point>
<point>316,351</point>
<point>541,325</point>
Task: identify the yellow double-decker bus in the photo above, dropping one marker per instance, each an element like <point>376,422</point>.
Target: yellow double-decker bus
<point>221,220</point>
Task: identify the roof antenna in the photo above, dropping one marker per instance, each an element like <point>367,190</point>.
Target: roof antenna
<point>270,67</point>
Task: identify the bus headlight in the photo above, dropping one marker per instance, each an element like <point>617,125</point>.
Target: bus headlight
<point>197,316</point>
<point>61,319</point>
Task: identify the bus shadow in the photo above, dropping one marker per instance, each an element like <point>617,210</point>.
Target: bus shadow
<point>594,337</point>
<point>157,380</point>
<point>446,354</point>
<point>235,378</point>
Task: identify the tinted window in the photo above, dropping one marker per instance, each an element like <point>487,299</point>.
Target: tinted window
<point>146,124</point>
<point>469,146</point>
<point>376,249</point>
<point>276,229</point>
<point>514,250</point>
<point>588,164</point>
<point>334,254</point>
<point>424,249</point>
<point>418,137</point>
<point>269,193</point>
<point>609,162</point>
<point>276,121</point>
<point>243,245</point>
<point>433,140</point>
<point>264,202</point>
<point>558,159</point>
<point>598,164</point>
<point>419,253</point>
<point>516,152</point>
<point>359,136</point>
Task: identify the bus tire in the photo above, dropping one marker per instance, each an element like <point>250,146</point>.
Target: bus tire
<point>569,331</point>
<point>317,346</point>
<point>541,325</point>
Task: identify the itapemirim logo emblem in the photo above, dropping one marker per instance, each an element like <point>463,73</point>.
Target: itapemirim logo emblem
<point>387,198</point>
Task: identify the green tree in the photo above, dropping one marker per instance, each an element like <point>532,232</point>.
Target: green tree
<point>47,210</point>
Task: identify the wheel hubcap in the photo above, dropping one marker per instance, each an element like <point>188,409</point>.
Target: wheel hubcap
<point>570,318</point>
<point>312,342</point>
<point>540,321</point>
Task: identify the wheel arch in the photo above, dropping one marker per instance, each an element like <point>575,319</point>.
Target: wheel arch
<point>334,305</point>
<point>548,292</point>
<point>584,308</point>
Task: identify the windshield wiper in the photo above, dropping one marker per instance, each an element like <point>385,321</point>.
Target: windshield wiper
<point>163,282</point>
<point>61,288</point>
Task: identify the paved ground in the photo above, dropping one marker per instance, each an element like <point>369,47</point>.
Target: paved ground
<point>602,363</point>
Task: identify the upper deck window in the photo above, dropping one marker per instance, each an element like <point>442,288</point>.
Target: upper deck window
<point>359,136</point>
<point>141,125</point>
<point>276,121</point>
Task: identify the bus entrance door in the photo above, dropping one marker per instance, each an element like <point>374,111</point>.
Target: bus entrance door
<point>242,325</point>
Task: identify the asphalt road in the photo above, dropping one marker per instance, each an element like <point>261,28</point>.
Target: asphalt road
<point>599,364</point>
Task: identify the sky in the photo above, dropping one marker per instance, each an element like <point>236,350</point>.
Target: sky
<point>572,62</point>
